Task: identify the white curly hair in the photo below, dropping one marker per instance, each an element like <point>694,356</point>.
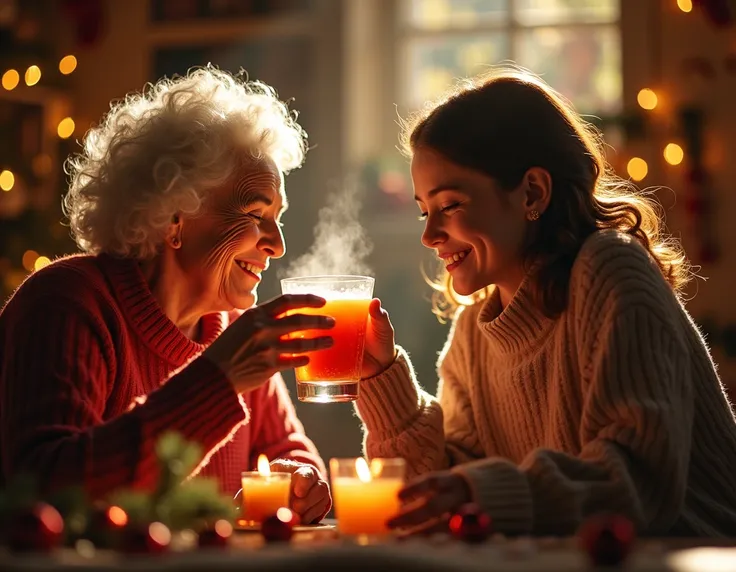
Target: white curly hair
<point>158,152</point>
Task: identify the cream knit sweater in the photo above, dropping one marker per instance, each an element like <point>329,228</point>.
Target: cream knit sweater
<point>613,406</point>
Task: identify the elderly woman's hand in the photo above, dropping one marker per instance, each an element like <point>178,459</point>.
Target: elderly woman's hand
<point>310,494</point>
<point>256,345</point>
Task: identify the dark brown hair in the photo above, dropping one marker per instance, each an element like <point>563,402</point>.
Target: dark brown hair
<point>507,121</point>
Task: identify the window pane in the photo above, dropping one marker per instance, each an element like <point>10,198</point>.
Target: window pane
<point>541,12</point>
<point>584,64</point>
<point>435,63</point>
<point>436,14</point>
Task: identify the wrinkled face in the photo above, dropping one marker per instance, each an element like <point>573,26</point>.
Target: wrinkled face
<point>225,249</point>
<point>473,225</point>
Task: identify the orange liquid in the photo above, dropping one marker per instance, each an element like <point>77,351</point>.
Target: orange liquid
<point>344,360</point>
<point>364,508</point>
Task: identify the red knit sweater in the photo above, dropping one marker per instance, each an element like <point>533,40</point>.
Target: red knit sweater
<point>92,373</point>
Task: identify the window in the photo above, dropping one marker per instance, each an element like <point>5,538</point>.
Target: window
<point>575,45</point>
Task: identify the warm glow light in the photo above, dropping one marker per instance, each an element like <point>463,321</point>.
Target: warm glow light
<point>685,5</point>
<point>33,75</point>
<point>225,529</point>
<point>647,98</point>
<point>29,259</point>
<point>41,262</point>
<point>376,467</point>
<point>117,516</point>
<point>7,180</point>
<point>10,80</point>
<point>51,519</point>
<point>160,533</point>
<point>362,470</point>
<point>702,560</point>
<point>673,154</point>
<point>85,548</point>
<point>637,168</point>
<point>65,128</point>
<point>67,64</point>
<point>264,469</point>
<point>285,514</point>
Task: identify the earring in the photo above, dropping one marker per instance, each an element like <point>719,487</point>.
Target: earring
<point>533,215</point>
<point>175,242</point>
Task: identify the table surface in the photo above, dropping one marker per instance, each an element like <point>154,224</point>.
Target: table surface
<point>323,549</point>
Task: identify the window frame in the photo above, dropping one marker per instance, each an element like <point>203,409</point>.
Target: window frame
<point>508,25</point>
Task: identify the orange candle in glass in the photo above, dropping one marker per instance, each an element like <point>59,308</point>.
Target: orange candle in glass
<point>263,493</point>
<point>366,496</point>
<point>333,374</point>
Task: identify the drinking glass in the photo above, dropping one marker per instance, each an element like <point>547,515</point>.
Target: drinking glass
<point>333,374</point>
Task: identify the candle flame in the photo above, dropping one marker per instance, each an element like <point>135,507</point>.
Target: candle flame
<point>362,469</point>
<point>376,467</point>
<point>264,469</point>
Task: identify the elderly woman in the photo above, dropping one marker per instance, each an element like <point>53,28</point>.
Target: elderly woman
<point>177,200</point>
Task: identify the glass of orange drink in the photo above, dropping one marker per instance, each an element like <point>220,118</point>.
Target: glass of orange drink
<point>333,374</point>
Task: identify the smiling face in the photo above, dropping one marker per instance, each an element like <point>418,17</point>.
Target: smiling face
<point>473,225</point>
<point>225,248</point>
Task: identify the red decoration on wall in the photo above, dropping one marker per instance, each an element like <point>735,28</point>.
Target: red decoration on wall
<point>88,17</point>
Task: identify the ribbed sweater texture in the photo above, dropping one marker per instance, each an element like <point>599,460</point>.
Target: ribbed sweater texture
<point>92,373</point>
<point>614,406</point>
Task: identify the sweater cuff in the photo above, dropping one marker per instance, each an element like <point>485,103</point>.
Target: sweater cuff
<point>501,490</point>
<point>199,402</point>
<point>388,402</point>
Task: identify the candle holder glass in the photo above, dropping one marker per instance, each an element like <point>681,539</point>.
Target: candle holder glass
<point>262,495</point>
<point>366,494</point>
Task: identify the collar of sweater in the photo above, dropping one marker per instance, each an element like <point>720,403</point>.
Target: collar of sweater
<point>147,318</point>
<point>519,329</point>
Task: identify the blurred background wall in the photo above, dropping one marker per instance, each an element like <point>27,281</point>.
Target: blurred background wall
<point>659,76</point>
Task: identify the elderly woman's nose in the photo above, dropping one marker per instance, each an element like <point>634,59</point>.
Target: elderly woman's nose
<point>272,242</point>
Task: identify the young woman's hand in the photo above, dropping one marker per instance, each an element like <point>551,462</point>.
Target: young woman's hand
<point>255,347</point>
<point>429,499</point>
<point>380,351</point>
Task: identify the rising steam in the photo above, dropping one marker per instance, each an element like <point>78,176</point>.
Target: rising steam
<point>341,245</point>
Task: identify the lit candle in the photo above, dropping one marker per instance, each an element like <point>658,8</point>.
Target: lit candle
<point>264,492</point>
<point>366,497</point>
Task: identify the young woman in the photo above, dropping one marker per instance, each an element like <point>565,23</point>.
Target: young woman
<point>573,380</point>
<point>176,199</point>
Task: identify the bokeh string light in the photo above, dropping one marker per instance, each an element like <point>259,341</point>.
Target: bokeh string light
<point>685,5</point>
<point>37,79</point>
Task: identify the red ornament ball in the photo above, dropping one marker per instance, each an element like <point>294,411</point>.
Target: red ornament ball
<point>470,524</point>
<point>35,529</point>
<point>104,525</point>
<point>151,539</point>
<point>608,539</point>
<point>280,526</point>
<point>216,536</point>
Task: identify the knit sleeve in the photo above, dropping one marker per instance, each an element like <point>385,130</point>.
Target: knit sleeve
<point>276,430</point>
<point>402,420</point>
<point>637,416</point>
<point>56,376</point>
